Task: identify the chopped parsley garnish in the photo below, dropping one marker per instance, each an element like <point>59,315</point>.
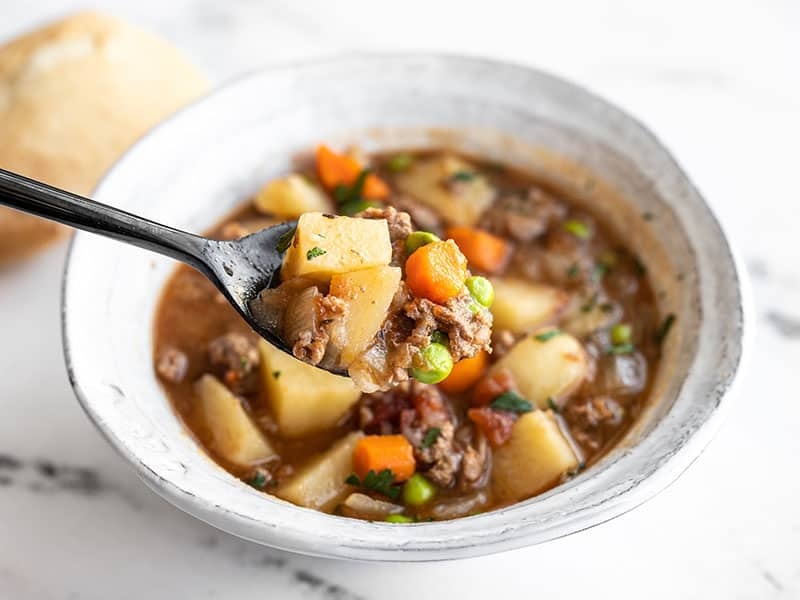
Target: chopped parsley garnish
<point>551,404</point>
<point>664,329</point>
<point>573,271</point>
<point>400,162</point>
<point>276,374</point>
<point>377,482</point>
<point>589,305</point>
<point>463,176</point>
<point>548,335</point>
<point>626,348</point>
<point>349,197</point>
<point>244,363</point>
<point>258,480</point>
<point>430,437</point>
<point>578,228</point>
<point>285,240</point>
<point>440,337</point>
<point>511,402</point>
<point>315,252</point>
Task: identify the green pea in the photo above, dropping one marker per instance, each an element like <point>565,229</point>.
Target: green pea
<point>621,334</point>
<point>578,228</point>
<point>432,364</point>
<point>418,490</point>
<point>418,239</point>
<point>398,519</point>
<point>481,289</point>
<point>400,162</point>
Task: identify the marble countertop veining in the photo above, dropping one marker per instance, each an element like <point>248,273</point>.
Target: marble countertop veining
<point>718,81</point>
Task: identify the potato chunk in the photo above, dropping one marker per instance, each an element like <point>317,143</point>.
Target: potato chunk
<point>291,196</point>
<point>449,185</point>
<point>324,245</point>
<point>368,294</point>
<point>535,458</point>
<point>234,436</point>
<point>521,306</point>
<point>546,367</point>
<point>320,483</point>
<point>304,399</point>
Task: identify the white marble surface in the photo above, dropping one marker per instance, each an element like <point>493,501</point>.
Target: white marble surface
<point>718,81</point>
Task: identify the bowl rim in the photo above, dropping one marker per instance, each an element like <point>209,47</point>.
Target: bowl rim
<point>638,492</point>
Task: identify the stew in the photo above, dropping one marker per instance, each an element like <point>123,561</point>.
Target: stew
<point>452,425</point>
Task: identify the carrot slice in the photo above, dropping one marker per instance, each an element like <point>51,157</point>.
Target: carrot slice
<point>465,373</point>
<point>379,452</point>
<point>339,169</point>
<point>436,271</point>
<point>483,250</point>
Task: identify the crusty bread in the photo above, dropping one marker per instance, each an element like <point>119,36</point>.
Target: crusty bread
<point>73,96</point>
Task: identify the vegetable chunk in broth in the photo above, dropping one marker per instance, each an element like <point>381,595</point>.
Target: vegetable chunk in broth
<point>499,340</point>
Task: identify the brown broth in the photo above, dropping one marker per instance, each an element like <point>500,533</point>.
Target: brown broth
<point>191,313</point>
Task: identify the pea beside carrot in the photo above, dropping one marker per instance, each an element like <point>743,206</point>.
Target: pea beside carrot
<point>339,169</point>
<point>379,452</point>
<point>465,373</point>
<point>483,250</point>
<point>436,271</point>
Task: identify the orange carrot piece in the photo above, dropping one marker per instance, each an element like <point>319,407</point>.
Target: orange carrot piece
<point>339,169</point>
<point>483,250</point>
<point>379,452</point>
<point>465,373</point>
<point>436,271</point>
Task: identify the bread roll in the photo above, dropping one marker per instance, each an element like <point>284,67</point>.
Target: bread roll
<point>73,96</point>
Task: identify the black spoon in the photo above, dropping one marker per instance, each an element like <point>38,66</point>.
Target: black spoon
<point>240,269</point>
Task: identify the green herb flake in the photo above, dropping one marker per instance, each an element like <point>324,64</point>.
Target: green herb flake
<point>548,335</point>
<point>377,482</point>
<point>276,374</point>
<point>661,335</point>
<point>463,176</point>
<point>511,402</point>
<point>573,271</point>
<point>315,252</point>
<point>578,228</point>
<point>285,240</point>
<point>258,480</point>
<point>551,404</point>
<point>349,197</point>
<point>590,304</point>
<point>244,364</point>
<point>626,348</point>
<point>430,437</point>
<point>399,162</point>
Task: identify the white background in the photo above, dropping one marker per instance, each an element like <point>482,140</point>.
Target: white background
<point>718,81</point>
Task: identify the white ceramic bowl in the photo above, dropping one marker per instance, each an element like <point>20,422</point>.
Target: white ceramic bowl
<point>194,168</point>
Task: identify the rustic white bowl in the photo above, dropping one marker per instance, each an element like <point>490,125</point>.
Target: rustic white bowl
<point>194,168</point>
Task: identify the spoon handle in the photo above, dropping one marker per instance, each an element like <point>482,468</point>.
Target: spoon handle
<point>42,200</point>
